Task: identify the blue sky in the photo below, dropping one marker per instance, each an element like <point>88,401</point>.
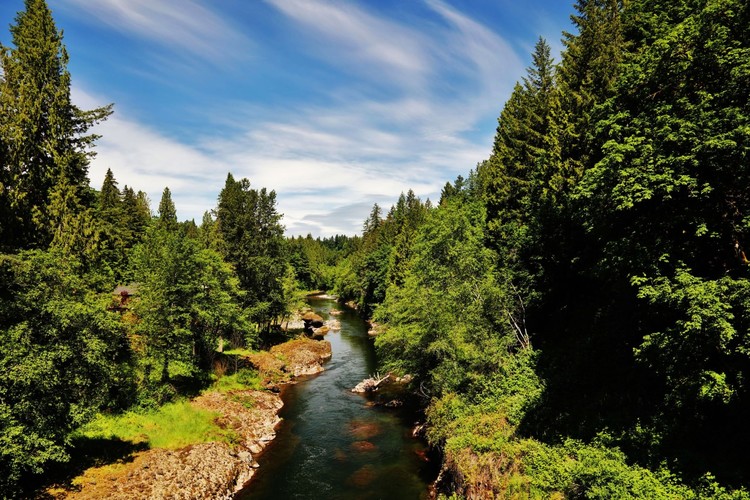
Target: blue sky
<point>334,104</point>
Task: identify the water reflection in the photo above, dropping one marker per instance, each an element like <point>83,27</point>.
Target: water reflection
<point>333,444</point>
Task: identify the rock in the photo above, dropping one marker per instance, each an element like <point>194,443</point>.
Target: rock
<point>312,320</point>
<point>422,454</point>
<point>375,329</point>
<point>320,332</point>
<point>303,356</point>
<point>419,430</point>
<point>363,446</point>
<point>363,429</point>
<point>363,476</point>
<point>371,384</point>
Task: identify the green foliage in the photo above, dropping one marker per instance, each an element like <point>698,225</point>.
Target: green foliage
<point>701,339</point>
<point>252,241</point>
<point>369,265</point>
<point>167,212</point>
<point>442,322</point>
<point>315,261</point>
<point>188,298</point>
<point>62,355</point>
<point>42,134</point>
<point>617,203</point>
<point>242,379</point>
<point>172,426</point>
<point>591,471</point>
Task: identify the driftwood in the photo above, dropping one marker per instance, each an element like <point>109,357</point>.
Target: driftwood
<point>371,384</point>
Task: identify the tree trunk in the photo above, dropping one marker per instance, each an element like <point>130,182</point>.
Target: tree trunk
<point>165,369</point>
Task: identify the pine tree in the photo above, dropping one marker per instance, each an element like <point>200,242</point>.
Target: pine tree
<point>252,239</point>
<point>587,74</point>
<point>208,232</point>
<point>373,221</point>
<point>524,160</point>
<point>133,216</point>
<point>167,211</point>
<point>42,134</point>
<point>73,227</point>
<point>109,196</point>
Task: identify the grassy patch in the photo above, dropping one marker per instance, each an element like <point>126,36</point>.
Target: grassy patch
<point>238,352</point>
<point>172,426</point>
<point>242,380</point>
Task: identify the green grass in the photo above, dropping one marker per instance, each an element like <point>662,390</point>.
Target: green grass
<point>172,426</point>
<point>238,352</point>
<point>242,380</point>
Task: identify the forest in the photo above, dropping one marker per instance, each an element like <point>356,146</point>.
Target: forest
<point>575,311</point>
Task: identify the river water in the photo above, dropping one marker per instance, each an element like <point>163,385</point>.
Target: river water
<point>335,444</point>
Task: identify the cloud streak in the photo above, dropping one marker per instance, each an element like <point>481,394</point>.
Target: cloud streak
<point>184,25</point>
<point>354,38</point>
<point>419,111</point>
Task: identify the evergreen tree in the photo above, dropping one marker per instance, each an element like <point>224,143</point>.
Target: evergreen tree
<point>373,221</point>
<point>136,216</point>
<point>517,180</point>
<point>42,134</point>
<point>73,227</point>
<point>109,196</point>
<point>587,74</point>
<point>167,212</point>
<point>252,240</point>
<point>209,232</point>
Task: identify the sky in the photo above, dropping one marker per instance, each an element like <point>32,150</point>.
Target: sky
<point>334,104</point>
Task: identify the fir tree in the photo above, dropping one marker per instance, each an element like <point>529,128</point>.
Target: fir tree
<point>517,177</point>
<point>109,196</point>
<point>252,239</point>
<point>42,134</point>
<point>167,211</point>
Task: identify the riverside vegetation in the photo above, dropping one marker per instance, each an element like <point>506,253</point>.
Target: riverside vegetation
<point>574,313</point>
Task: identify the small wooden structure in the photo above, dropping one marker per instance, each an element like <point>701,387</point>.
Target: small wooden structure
<point>121,296</point>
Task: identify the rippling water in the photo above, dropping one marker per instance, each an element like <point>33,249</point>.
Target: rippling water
<point>332,444</point>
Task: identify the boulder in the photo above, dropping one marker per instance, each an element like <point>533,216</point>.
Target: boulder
<point>313,319</point>
<point>319,333</point>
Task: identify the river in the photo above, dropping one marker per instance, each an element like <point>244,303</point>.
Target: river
<point>335,444</point>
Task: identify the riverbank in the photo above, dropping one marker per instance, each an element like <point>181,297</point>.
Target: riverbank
<point>338,444</point>
<point>216,469</point>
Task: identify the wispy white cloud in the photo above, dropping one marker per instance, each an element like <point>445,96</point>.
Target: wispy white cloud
<point>356,39</point>
<point>430,86</point>
<point>186,25</point>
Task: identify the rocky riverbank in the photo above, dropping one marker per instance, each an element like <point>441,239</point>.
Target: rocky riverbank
<point>209,470</point>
